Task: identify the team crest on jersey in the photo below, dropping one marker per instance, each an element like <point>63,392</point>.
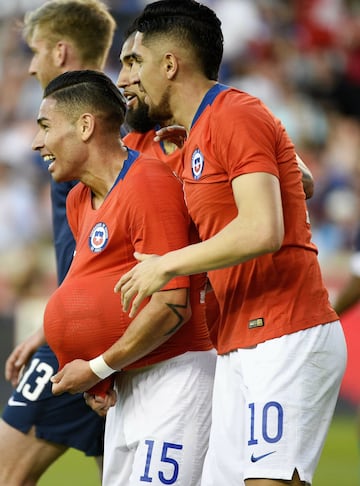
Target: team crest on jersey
<point>98,237</point>
<point>197,164</point>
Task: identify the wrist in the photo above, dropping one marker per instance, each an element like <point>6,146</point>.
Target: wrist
<point>168,265</point>
<point>100,368</point>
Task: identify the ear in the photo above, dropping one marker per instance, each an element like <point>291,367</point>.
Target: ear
<point>60,53</point>
<point>171,64</point>
<point>86,125</point>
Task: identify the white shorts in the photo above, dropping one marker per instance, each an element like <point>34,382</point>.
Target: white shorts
<point>273,405</point>
<point>158,431</point>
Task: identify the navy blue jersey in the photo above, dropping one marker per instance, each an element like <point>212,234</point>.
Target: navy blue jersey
<point>63,238</point>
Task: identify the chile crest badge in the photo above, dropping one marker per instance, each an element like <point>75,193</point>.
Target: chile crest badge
<point>197,164</point>
<point>98,238</point>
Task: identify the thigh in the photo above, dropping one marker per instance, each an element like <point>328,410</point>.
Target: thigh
<point>64,419</point>
<point>24,458</point>
<point>294,383</point>
<point>164,415</point>
<point>268,401</point>
<point>224,461</point>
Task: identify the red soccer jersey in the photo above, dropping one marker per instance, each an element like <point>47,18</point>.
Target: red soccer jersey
<point>144,142</point>
<point>232,134</point>
<point>145,212</point>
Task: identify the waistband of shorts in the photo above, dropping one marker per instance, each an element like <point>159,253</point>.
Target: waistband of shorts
<point>189,356</point>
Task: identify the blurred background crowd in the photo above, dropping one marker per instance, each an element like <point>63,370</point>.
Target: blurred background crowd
<point>301,57</point>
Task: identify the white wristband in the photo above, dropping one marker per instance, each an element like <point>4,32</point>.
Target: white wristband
<point>100,368</point>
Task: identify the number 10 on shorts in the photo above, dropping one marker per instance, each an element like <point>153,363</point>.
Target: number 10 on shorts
<point>266,422</point>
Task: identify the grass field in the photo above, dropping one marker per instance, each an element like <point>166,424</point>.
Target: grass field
<point>339,464</point>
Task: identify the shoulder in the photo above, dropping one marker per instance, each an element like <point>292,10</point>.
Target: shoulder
<point>77,194</point>
<point>237,112</point>
<point>132,137</point>
<point>140,141</point>
<point>151,177</point>
<point>233,101</point>
<point>149,166</point>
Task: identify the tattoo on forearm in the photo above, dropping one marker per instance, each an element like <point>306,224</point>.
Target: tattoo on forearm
<point>175,309</point>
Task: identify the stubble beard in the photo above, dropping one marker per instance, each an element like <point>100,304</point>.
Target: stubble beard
<point>138,119</point>
<point>161,112</point>
<point>144,118</point>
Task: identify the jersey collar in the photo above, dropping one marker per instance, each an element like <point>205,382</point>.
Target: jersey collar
<point>208,99</point>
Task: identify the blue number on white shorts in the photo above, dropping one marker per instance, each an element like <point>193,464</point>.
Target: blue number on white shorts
<point>280,422</point>
<point>45,372</point>
<point>164,458</point>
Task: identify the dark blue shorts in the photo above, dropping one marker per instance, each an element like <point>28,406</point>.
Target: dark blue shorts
<point>63,419</point>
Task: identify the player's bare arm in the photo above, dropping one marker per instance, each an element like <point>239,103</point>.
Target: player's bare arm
<point>306,177</point>
<point>21,355</point>
<point>349,295</point>
<point>165,313</point>
<point>257,229</point>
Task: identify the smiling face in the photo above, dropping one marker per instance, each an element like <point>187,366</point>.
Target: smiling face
<point>130,91</point>
<point>137,115</point>
<point>59,142</point>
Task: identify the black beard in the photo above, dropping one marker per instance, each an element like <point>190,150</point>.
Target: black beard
<point>138,119</point>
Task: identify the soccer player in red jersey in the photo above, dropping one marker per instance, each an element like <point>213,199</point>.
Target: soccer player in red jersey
<point>281,348</point>
<point>142,133</point>
<point>125,202</point>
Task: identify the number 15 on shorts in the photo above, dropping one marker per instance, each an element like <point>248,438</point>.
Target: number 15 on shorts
<point>162,462</point>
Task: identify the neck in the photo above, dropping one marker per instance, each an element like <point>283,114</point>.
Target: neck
<point>101,176</point>
<point>189,98</point>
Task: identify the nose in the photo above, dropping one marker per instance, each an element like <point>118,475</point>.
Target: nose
<point>32,68</point>
<point>134,74</point>
<point>38,142</point>
<point>123,78</point>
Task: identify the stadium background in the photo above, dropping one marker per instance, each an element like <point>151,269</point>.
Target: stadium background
<point>302,58</point>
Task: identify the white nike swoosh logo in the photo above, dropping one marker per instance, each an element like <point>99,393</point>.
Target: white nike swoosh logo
<point>15,403</point>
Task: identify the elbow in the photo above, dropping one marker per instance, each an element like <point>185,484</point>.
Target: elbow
<point>271,246</point>
<point>276,233</point>
<point>186,311</point>
<point>277,238</point>
<point>275,245</point>
<point>272,241</point>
